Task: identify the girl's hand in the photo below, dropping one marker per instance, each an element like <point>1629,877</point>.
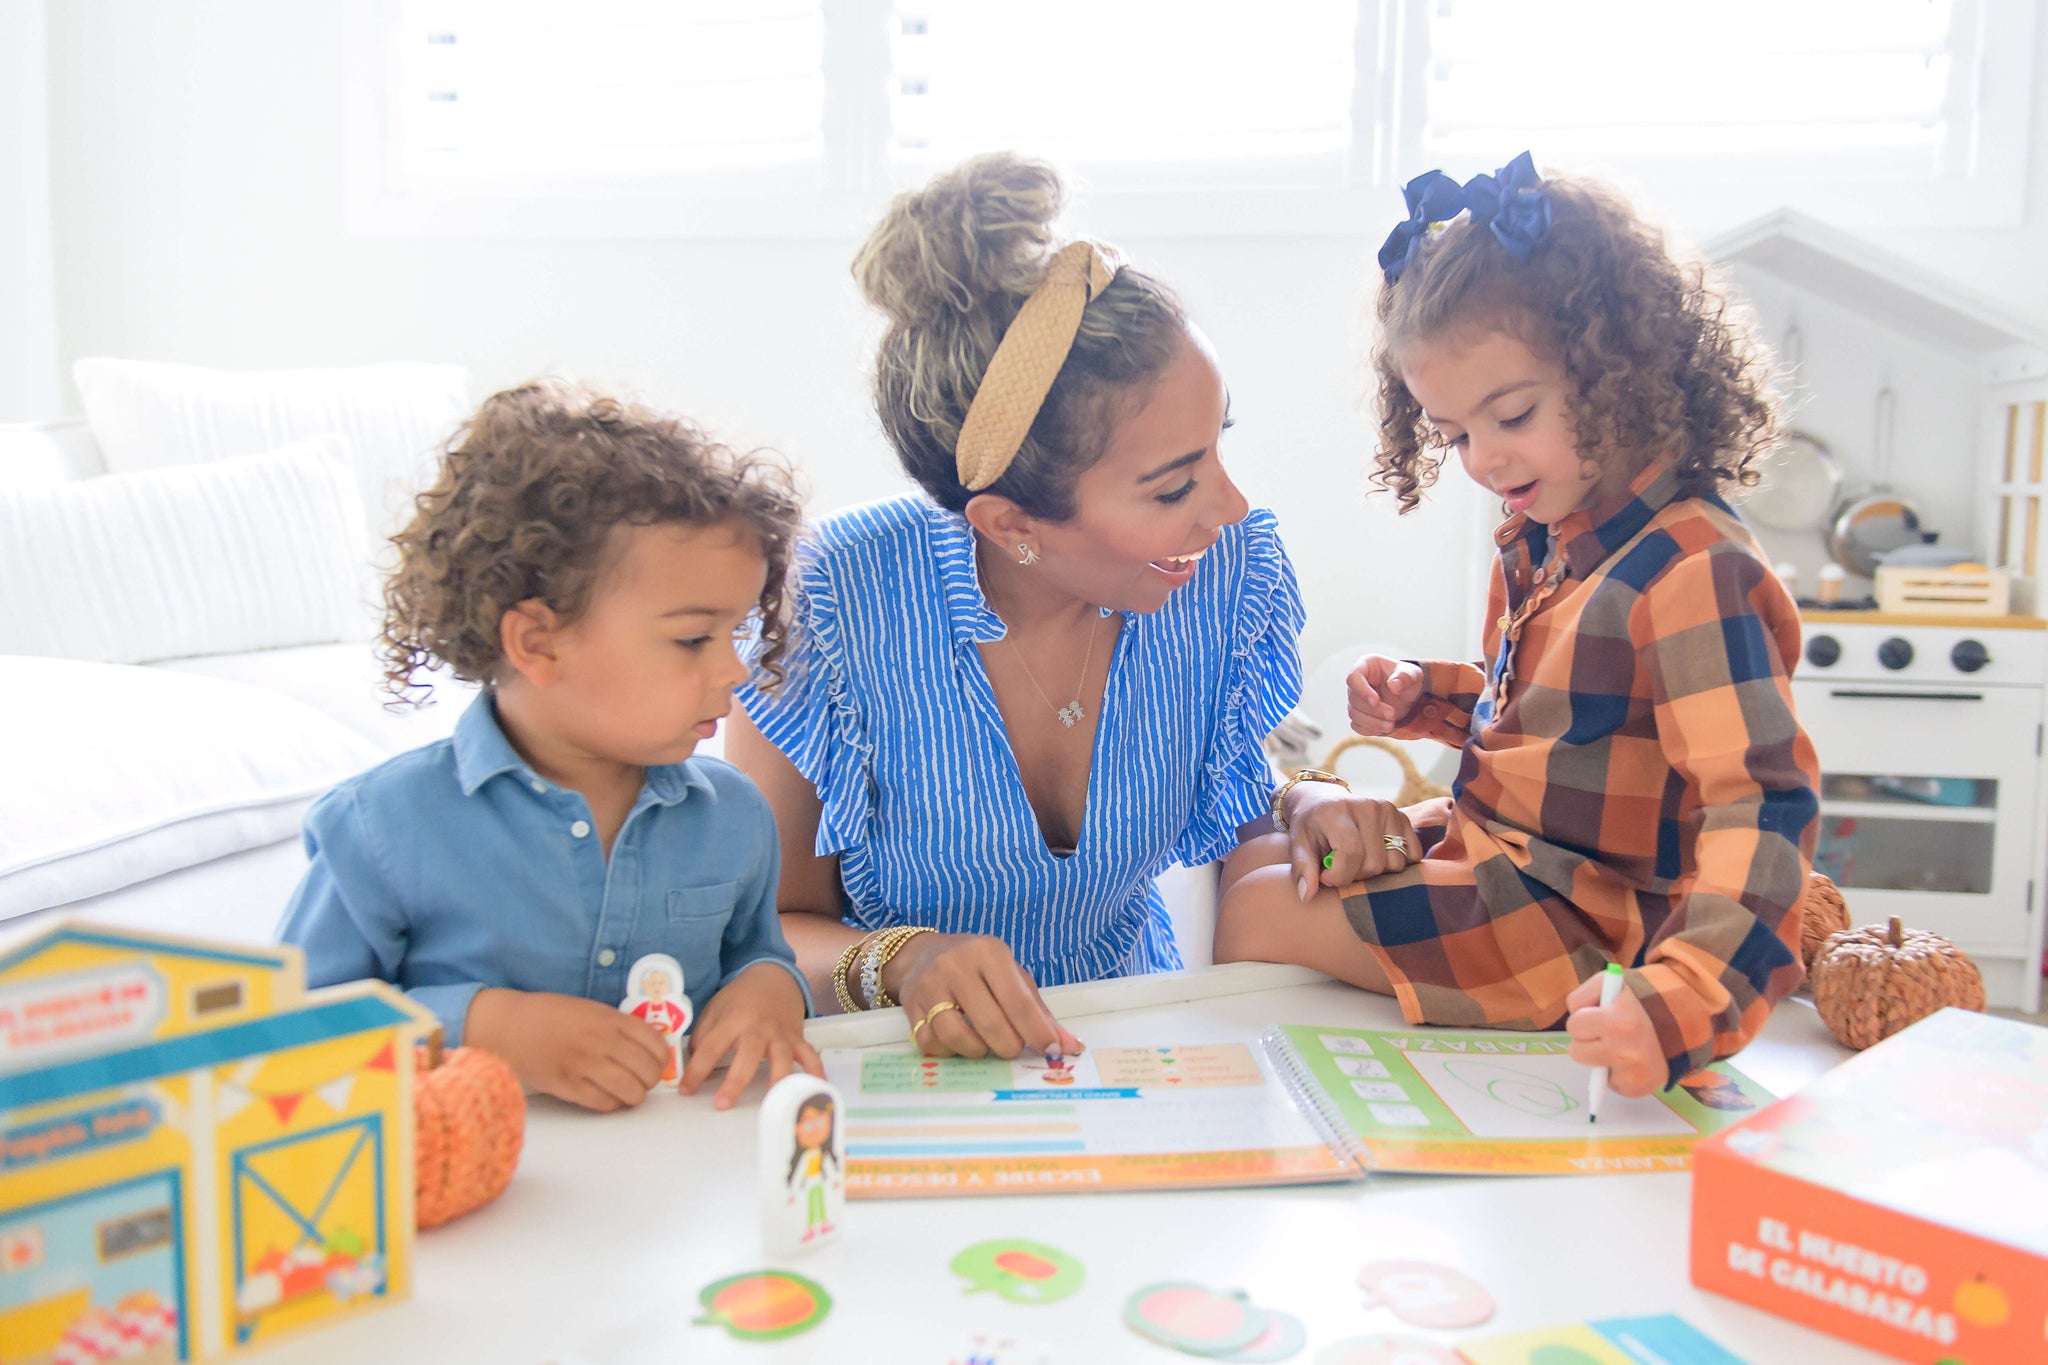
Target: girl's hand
<point>759,1013</point>
<point>563,1045</point>
<point>998,1010</point>
<point>1357,832</point>
<point>1382,694</point>
<point>1619,1037</point>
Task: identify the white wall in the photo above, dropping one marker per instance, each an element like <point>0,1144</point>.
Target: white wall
<point>198,200</point>
<point>29,387</point>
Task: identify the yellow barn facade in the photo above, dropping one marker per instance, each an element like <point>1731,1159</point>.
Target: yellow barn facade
<point>196,1154</point>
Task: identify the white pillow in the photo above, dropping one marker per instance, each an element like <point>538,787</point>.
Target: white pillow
<point>242,554</point>
<point>346,681</point>
<point>146,414</point>
<point>116,774</point>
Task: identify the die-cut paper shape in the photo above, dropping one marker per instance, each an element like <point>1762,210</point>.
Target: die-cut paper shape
<point>764,1305</point>
<point>1425,1294</point>
<point>1387,1350</point>
<point>1283,1339</point>
<point>1193,1318</point>
<point>1019,1270</point>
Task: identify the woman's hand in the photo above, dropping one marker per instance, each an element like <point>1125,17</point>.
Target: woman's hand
<point>1363,837</point>
<point>997,1010</point>
<point>1619,1037</point>
<point>758,1014</point>
<point>1382,693</point>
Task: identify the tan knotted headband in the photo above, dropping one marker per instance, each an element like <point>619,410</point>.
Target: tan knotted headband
<point>1028,359</point>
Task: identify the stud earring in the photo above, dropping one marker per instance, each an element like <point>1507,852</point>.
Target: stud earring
<point>1026,555</point>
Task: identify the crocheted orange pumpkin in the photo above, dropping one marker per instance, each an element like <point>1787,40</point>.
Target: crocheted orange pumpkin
<point>469,1121</point>
<point>1869,983</point>
<point>1822,911</point>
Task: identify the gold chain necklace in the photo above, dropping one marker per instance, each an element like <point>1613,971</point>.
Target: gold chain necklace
<point>1071,714</point>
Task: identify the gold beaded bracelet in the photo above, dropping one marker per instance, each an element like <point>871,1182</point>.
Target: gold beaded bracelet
<point>847,1004</point>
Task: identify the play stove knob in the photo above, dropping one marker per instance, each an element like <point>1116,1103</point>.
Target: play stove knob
<point>1895,653</point>
<point>1822,651</point>
<point>1969,655</point>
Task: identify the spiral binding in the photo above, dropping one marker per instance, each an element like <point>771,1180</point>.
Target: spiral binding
<point>1312,1100</point>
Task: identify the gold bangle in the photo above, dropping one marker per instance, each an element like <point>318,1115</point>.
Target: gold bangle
<point>875,951</point>
<point>1279,804</point>
<point>891,944</point>
<point>847,1004</point>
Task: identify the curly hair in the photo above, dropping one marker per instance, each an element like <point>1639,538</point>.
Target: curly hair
<point>529,493</point>
<point>1659,359</point>
<point>950,264</point>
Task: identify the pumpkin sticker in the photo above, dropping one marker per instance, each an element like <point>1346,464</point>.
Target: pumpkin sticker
<point>764,1305</point>
<point>1020,1271</point>
<point>1191,1318</point>
<point>1423,1294</point>
<point>1283,1339</point>
<point>1387,1350</point>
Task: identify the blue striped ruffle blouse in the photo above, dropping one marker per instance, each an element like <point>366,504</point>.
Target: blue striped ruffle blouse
<point>889,713</point>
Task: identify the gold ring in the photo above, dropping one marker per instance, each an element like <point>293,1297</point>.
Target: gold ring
<point>1396,843</point>
<point>934,1012</point>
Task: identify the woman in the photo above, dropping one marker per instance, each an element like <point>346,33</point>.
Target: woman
<point>1012,702</point>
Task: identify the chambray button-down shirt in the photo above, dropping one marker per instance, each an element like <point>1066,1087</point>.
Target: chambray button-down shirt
<point>455,866</point>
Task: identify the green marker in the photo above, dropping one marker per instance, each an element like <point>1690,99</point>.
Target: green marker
<point>1611,982</point>
<point>1330,859</point>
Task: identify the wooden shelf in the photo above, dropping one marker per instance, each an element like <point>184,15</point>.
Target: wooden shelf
<point>1919,618</point>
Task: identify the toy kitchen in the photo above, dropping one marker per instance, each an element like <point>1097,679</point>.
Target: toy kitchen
<point>1905,510</point>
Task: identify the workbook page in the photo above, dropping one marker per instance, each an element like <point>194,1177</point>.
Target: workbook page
<point>1498,1102</point>
<point>1110,1118</point>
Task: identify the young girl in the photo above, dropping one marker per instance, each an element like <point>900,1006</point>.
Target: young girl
<point>1635,786</point>
<point>590,563</point>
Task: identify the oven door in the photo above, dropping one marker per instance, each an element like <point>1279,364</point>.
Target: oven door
<point>1925,799</point>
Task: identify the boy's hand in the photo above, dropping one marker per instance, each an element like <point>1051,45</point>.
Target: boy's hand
<point>1382,694</point>
<point>1619,1037</point>
<point>758,1013</point>
<point>563,1045</point>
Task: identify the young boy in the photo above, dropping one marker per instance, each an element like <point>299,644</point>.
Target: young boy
<point>590,564</point>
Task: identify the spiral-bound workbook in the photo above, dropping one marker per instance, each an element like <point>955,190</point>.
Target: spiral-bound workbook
<point>1303,1104</point>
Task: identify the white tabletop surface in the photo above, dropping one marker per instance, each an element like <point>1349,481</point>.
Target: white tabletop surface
<point>614,1222</point>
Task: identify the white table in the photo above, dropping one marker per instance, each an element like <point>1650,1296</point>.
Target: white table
<point>614,1223</point>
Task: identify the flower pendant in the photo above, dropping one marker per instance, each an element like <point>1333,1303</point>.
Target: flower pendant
<point>1070,714</point>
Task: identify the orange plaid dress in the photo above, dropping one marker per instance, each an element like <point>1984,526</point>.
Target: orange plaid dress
<point>1635,786</point>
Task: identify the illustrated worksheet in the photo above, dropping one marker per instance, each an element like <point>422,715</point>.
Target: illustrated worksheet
<point>1111,1118</point>
<point>1493,1102</point>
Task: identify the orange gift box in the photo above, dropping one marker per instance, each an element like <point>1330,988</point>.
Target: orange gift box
<point>1899,1202</point>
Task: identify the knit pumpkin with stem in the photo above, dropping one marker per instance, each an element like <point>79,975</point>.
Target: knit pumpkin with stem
<point>1871,982</point>
<point>469,1123</point>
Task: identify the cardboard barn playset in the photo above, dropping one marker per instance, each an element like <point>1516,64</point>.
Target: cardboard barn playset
<point>196,1153</point>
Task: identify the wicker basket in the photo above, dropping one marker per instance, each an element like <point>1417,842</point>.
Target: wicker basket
<point>1414,786</point>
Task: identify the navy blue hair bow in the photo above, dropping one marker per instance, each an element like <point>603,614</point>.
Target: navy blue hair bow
<point>1433,197</point>
<point>1512,203</point>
